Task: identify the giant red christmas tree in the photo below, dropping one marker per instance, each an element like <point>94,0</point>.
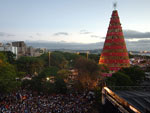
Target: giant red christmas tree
<point>114,54</point>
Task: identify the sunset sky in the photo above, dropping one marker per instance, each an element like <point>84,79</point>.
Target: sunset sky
<point>83,21</point>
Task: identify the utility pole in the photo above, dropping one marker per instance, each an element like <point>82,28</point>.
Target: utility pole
<point>49,56</point>
<point>87,54</point>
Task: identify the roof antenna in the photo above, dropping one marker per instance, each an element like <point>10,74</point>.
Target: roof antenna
<point>115,5</point>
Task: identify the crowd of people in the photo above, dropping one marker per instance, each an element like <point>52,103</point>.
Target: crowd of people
<point>29,102</point>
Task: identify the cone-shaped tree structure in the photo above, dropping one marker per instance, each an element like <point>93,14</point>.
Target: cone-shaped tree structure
<point>114,54</point>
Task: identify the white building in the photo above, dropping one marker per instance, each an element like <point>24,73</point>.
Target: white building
<point>2,48</point>
<point>9,47</point>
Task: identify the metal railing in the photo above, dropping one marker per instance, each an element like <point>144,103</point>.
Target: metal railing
<point>141,88</point>
<point>122,105</point>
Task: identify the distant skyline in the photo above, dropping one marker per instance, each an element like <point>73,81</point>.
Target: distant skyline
<point>78,21</point>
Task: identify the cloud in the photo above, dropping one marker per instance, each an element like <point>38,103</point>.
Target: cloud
<point>30,36</point>
<point>61,33</point>
<point>38,34</point>
<point>130,34</point>
<point>2,34</point>
<point>95,36</point>
<point>84,32</point>
<point>9,35</point>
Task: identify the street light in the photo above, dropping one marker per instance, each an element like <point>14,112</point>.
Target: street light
<point>87,54</point>
<point>49,53</point>
<point>47,78</point>
<point>78,53</point>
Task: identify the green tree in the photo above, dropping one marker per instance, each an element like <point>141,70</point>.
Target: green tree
<point>29,64</point>
<point>48,87</point>
<point>8,76</point>
<point>119,79</point>
<point>135,73</point>
<point>49,71</point>
<point>56,59</point>
<point>20,74</point>
<point>89,72</point>
<point>40,83</point>
<point>3,58</point>
<point>36,84</point>
<point>9,56</point>
<point>71,58</point>
<point>64,73</point>
<point>60,85</point>
<point>94,57</point>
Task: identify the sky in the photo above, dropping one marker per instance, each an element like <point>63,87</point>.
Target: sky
<point>79,21</point>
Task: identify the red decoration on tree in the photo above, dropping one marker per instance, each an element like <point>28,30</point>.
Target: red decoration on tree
<point>114,54</point>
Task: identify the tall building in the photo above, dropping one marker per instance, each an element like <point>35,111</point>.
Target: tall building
<point>30,51</point>
<point>22,48</point>
<point>114,54</point>
<point>39,51</point>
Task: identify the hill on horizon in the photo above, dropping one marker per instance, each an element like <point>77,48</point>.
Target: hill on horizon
<point>131,46</point>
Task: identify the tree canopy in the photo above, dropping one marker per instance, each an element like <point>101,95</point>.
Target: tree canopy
<point>29,64</point>
<point>49,71</point>
<point>89,72</point>
<point>9,56</point>
<point>131,76</point>
<point>56,59</point>
<point>7,76</point>
<point>119,79</point>
<point>135,73</point>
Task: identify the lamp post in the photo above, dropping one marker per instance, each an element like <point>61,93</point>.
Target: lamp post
<point>49,56</point>
<point>87,55</point>
<point>78,53</point>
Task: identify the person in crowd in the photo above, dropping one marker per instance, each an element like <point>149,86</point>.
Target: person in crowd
<point>25,102</point>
